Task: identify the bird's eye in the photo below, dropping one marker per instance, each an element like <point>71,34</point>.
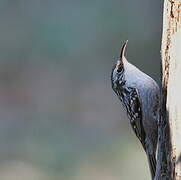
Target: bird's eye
<point>119,70</point>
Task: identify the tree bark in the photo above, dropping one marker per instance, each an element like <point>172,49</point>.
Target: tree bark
<point>169,141</point>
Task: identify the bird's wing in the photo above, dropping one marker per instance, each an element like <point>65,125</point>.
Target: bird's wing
<point>130,99</point>
<point>136,115</point>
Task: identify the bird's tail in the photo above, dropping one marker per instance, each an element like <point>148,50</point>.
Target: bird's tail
<point>152,164</point>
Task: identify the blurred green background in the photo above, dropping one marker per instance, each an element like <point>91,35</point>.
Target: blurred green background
<point>59,118</point>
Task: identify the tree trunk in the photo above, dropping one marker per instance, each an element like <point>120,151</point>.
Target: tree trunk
<point>169,142</point>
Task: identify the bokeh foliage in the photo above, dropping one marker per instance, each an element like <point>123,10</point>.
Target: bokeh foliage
<point>59,117</point>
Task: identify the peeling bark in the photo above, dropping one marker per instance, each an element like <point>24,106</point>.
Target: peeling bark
<point>169,142</point>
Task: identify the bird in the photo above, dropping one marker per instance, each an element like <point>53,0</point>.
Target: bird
<point>140,96</point>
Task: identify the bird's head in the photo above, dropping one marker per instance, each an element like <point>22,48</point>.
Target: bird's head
<point>117,75</point>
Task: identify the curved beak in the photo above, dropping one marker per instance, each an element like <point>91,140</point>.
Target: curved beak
<point>121,57</point>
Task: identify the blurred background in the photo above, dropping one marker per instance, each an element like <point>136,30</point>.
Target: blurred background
<point>59,118</point>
